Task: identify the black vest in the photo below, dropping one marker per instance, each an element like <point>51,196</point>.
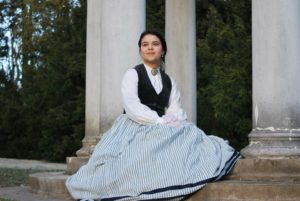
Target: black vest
<point>147,93</point>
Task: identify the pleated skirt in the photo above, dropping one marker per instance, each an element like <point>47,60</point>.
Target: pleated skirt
<point>151,162</point>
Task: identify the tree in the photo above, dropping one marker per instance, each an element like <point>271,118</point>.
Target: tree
<point>51,52</point>
<point>53,85</point>
<point>224,69</point>
<point>155,15</point>
<point>11,122</point>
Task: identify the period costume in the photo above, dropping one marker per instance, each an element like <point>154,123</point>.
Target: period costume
<point>151,152</point>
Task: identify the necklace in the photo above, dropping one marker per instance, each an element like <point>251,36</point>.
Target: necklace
<point>154,71</point>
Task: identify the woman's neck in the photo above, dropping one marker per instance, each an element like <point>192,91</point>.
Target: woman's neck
<point>152,65</point>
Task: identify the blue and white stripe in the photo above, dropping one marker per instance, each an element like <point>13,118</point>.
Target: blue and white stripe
<point>147,162</point>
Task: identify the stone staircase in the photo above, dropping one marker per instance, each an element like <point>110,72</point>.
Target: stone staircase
<point>250,180</point>
<point>52,184</point>
<point>256,180</point>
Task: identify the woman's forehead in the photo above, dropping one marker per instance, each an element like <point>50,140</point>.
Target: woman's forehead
<point>150,37</point>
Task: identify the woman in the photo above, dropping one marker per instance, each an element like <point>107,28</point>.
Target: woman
<point>152,151</point>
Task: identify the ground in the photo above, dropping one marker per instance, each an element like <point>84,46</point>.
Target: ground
<point>13,178</point>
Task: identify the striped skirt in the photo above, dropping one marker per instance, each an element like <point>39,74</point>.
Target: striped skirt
<point>148,162</point>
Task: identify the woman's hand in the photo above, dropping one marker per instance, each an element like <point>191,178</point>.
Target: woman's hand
<point>171,120</point>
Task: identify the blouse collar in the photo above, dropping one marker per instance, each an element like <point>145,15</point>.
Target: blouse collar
<point>148,69</point>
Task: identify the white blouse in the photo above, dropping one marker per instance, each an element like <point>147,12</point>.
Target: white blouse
<point>143,114</point>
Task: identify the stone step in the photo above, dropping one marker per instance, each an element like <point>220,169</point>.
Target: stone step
<point>250,180</point>
<point>266,170</point>
<point>74,163</point>
<point>52,185</point>
<point>248,191</point>
<point>49,185</point>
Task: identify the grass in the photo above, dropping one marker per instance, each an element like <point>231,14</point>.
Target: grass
<point>14,177</point>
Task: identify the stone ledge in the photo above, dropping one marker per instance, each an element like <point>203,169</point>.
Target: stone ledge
<point>248,191</point>
<point>74,163</point>
<point>250,180</point>
<point>50,185</point>
<point>266,170</point>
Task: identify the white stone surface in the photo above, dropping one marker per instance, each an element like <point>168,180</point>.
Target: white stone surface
<point>113,29</point>
<point>276,63</point>
<point>181,56</point>
<point>122,24</point>
<point>93,95</point>
<point>276,70</point>
<point>30,164</point>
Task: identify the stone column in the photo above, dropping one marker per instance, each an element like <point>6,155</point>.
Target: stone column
<point>93,63</point>
<point>122,24</point>
<point>276,71</point>
<point>113,30</point>
<point>181,56</point>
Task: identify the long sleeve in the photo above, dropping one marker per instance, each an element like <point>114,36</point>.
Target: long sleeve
<point>143,114</point>
<point>175,108</point>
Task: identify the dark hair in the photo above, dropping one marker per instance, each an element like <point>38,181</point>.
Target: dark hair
<point>155,33</point>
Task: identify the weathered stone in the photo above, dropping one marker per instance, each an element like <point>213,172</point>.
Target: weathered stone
<point>256,180</point>
<point>111,50</point>
<point>50,184</point>
<point>249,180</point>
<point>248,191</point>
<point>276,106</point>
<point>181,56</point>
<point>74,163</point>
<point>287,170</point>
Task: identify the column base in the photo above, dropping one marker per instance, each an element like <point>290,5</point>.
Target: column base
<point>88,145</point>
<point>74,163</point>
<point>276,144</point>
<point>83,155</point>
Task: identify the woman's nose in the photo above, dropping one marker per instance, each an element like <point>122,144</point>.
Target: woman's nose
<point>150,47</point>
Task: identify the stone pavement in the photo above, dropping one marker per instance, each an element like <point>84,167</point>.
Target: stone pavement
<point>23,193</point>
<point>31,164</point>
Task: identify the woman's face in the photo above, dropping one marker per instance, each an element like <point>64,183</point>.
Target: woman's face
<point>151,50</point>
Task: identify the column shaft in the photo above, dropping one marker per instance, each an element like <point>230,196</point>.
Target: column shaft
<point>93,63</point>
<point>113,29</point>
<point>181,56</point>
<point>276,92</point>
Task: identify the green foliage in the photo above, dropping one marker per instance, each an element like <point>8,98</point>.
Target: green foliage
<point>155,15</point>
<point>11,125</point>
<point>58,81</point>
<point>56,106</point>
<point>224,69</point>
<point>53,80</point>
